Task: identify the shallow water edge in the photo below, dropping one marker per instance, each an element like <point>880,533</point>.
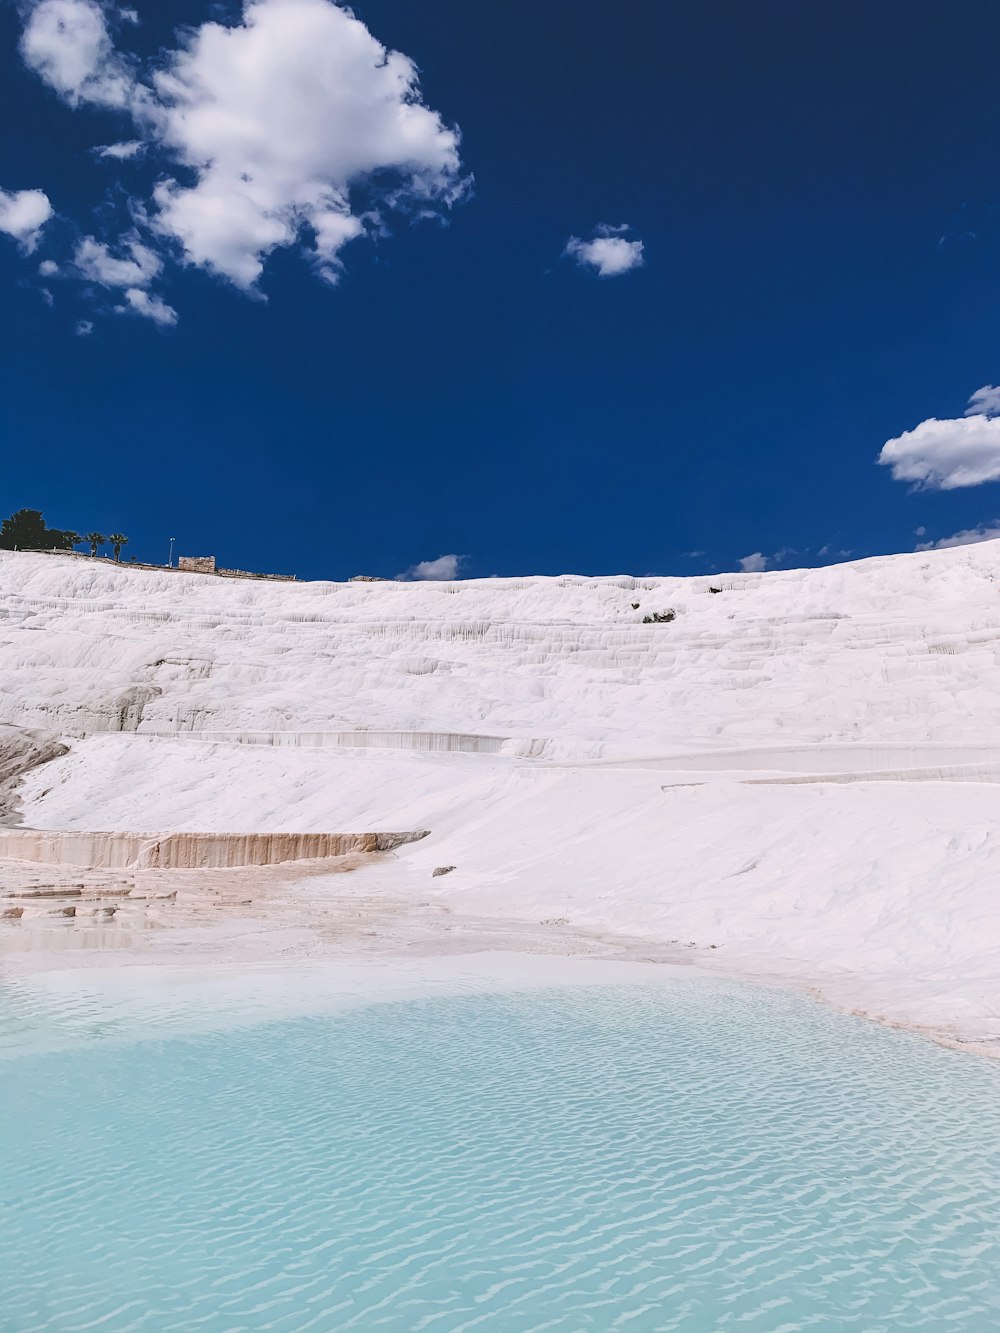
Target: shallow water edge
<point>141,995</point>
<point>315,925</point>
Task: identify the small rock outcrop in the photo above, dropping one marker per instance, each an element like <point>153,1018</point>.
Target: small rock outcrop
<point>20,752</point>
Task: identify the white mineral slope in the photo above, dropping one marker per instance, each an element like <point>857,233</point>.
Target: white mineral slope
<point>799,775</point>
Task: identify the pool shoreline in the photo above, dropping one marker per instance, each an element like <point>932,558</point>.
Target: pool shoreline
<point>377,934</point>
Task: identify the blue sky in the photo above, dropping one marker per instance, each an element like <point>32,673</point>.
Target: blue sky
<point>811,186</point>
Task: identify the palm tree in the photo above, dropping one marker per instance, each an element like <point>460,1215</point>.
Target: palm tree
<point>118,540</point>
<point>71,539</point>
<point>96,539</point>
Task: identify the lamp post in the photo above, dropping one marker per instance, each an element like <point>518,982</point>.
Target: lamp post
<point>170,557</point>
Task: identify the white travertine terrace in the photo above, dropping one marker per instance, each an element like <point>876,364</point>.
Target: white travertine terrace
<point>796,776</point>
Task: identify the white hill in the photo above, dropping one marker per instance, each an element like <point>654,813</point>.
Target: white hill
<point>798,775</point>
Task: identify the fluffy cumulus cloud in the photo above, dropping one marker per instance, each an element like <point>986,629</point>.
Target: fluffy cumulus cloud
<point>444,568</point>
<point>67,43</point>
<point>984,532</point>
<point>945,455</point>
<point>293,126</point>
<point>23,214</point>
<point>608,253</point>
<point>278,119</point>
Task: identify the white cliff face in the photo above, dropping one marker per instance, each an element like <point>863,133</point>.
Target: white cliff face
<point>800,769</point>
<point>898,648</point>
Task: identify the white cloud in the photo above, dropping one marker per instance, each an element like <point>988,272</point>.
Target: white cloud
<point>608,252</point>
<point>48,269</point>
<point>757,563</point>
<point>984,532</point>
<point>984,402</point>
<point>279,118</point>
<point>137,266</point>
<point>23,214</point>
<point>292,127</point>
<point>445,567</point>
<point>84,328</point>
<point>754,564</point>
<point>944,455</point>
<point>155,308</point>
<point>67,43</point>
<point>120,152</point>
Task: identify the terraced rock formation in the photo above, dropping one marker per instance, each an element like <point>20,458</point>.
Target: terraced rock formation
<point>795,776</point>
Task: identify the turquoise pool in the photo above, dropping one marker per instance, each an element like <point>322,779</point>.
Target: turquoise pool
<point>699,1156</point>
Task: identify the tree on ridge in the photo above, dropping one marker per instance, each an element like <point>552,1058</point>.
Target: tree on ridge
<point>96,539</point>
<point>26,530</point>
<point>118,540</point>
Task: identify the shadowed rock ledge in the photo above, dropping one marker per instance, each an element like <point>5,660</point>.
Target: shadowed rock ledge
<point>189,851</point>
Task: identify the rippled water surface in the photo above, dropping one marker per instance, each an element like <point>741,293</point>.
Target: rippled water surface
<point>698,1157</point>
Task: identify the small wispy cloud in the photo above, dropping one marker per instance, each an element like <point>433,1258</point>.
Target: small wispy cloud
<point>608,253</point>
<point>984,402</point>
<point>120,152</point>
<point>136,265</point>
<point>983,532</point>
<point>138,302</point>
<point>443,569</point>
<point>757,562</point>
<point>23,214</point>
